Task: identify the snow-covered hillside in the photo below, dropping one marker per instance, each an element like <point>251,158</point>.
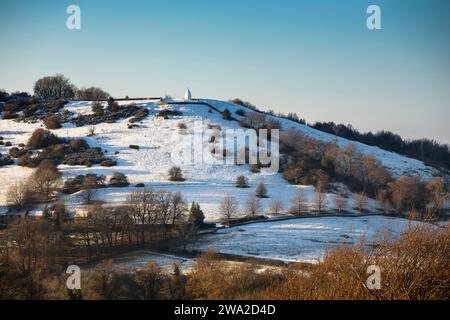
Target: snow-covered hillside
<point>397,164</point>
<point>158,139</point>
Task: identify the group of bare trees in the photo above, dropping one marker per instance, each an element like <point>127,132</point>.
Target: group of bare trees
<point>149,207</point>
<point>40,187</point>
<point>315,162</point>
<point>312,162</point>
<point>60,87</point>
<point>148,216</point>
<point>414,266</point>
<point>54,87</point>
<point>411,194</point>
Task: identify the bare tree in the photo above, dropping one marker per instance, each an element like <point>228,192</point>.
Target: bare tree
<point>319,201</point>
<point>178,208</point>
<point>276,207</point>
<point>91,93</point>
<point>89,190</point>
<point>186,232</point>
<point>143,208</point>
<point>436,194</point>
<point>18,196</point>
<point>340,202</point>
<point>406,193</point>
<point>299,203</point>
<point>149,280</point>
<point>361,201</point>
<point>228,208</point>
<point>45,179</point>
<point>54,87</point>
<point>253,206</point>
<point>383,201</point>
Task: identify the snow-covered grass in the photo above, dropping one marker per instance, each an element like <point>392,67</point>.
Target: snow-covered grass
<point>397,164</point>
<point>140,258</point>
<point>159,142</point>
<point>301,239</point>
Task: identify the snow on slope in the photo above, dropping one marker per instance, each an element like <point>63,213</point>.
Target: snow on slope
<point>157,138</point>
<point>300,239</point>
<point>397,164</point>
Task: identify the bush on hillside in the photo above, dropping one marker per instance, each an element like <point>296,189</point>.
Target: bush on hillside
<point>175,174</point>
<point>42,138</point>
<point>52,122</point>
<point>118,179</point>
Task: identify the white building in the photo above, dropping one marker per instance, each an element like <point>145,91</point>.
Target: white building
<point>187,95</point>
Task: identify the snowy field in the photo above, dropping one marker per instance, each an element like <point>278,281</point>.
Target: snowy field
<point>159,141</point>
<point>300,239</point>
<point>139,259</point>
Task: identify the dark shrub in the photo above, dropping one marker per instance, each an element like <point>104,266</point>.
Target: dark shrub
<point>6,160</point>
<point>241,182</point>
<point>53,106</point>
<point>169,112</point>
<point>79,182</point>
<point>13,107</point>
<point>139,185</point>
<point>261,190</point>
<point>97,108</point>
<point>91,93</point>
<point>10,115</point>
<point>140,115</point>
<point>16,152</point>
<point>52,122</point>
<point>241,113</point>
<point>214,126</point>
<point>78,144</point>
<point>85,157</point>
<point>175,174</point>
<point>108,163</point>
<point>226,114</point>
<point>118,179</point>
<point>56,151</point>
<point>31,109</point>
<point>42,138</point>
<point>133,146</point>
<point>29,161</point>
<point>3,95</point>
<point>113,106</point>
<point>8,144</point>
<point>244,103</point>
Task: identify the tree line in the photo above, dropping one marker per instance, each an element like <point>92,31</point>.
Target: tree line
<point>414,266</point>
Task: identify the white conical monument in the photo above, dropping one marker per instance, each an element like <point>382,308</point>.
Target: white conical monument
<point>187,95</point>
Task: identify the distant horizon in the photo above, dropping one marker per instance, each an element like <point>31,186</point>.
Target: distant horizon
<point>315,58</point>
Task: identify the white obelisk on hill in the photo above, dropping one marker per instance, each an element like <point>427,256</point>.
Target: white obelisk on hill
<point>187,95</point>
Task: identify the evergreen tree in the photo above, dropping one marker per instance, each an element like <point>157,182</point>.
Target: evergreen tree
<point>46,213</point>
<point>196,215</point>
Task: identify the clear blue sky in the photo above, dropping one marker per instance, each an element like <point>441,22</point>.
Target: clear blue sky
<point>316,58</point>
